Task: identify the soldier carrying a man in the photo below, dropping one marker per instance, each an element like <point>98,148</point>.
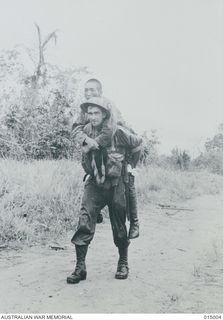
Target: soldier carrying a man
<point>108,177</point>
<point>93,88</point>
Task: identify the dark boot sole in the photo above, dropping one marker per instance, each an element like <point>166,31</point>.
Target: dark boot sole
<point>72,280</point>
<point>121,277</point>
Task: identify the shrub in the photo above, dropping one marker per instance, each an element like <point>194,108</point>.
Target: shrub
<point>210,160</point>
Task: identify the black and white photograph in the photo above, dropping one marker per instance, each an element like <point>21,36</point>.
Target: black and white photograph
<point>111,158</point>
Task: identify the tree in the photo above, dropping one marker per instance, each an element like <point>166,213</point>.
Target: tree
<point>216,143</point>
<point>150,144</point>
<point>37,107</point>
<point>212,158</point>
<point>180,159</point>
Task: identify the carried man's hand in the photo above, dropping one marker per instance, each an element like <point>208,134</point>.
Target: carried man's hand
<point>89,144</point>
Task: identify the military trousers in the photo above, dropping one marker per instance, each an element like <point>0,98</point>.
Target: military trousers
<point>132,198</point>
<point>95,198</point>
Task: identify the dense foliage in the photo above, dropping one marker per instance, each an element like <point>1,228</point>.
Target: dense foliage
<point>36,116</point>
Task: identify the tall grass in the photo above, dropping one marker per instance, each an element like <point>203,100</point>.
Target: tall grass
<point>40,200</point>
<point>156,184</point>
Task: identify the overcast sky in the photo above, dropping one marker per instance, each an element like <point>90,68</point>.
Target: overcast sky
<point>160,61</point>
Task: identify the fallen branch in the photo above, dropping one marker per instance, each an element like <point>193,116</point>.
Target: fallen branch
<point>171,214</point>
<point>169,207</point>
<point>57,248</point>
<point>3,246</point>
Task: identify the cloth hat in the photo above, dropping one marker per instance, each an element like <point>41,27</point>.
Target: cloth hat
<point>100,102</point>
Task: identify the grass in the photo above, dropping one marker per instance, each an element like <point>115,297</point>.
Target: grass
<point>40,200</point>
<point>158,185</point>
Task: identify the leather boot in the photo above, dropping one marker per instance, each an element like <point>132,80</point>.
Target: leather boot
<point>134,229</point>
<point>99,218</point>
<point>122,269</point>
<point>80,272</point>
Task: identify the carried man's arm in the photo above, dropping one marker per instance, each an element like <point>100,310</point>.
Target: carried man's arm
<point>133,142</point>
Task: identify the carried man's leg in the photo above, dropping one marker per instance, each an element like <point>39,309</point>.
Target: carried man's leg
<point>133,211</point>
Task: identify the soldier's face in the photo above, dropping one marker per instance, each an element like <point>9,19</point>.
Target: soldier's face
<point>92,90</point>
<point>96,116</point>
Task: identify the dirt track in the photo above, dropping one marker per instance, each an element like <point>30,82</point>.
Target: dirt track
<point>176,266</point>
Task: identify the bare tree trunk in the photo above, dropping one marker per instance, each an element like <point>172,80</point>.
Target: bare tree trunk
<point>41,67</point>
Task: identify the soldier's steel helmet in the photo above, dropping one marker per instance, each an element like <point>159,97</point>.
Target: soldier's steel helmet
<point>100,102</point>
